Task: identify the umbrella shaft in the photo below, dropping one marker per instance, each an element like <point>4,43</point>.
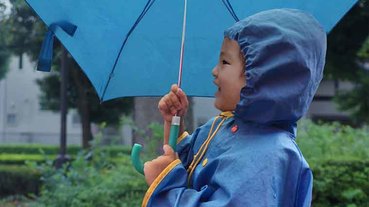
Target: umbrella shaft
<point>182,44</point>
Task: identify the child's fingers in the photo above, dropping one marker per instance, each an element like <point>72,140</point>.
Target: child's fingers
<point>182,98</point>
<point>162,105</point>
<point>170,105</point>
<point>168,151</point>
<point>181,95</point>
<point>174,88</point>
<point>175,100</point>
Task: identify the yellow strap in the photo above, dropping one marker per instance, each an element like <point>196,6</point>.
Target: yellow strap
<point>196,161</point>
<point>202,146</point>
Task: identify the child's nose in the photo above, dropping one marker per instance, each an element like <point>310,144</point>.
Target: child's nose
<point>214,72</point>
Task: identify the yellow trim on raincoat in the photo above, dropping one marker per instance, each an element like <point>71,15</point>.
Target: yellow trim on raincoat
<point>158,180</point>
<point>183,135</point>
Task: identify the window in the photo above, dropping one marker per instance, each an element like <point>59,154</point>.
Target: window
<point>11,119</point>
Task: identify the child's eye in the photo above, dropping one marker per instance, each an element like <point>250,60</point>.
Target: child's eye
<point>225,62</point>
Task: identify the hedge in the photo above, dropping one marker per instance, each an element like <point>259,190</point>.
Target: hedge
<point>20,159</point>
<point>341,183</point>
<point>54,150</point>
<point>16,179</point>
<point>36,149</point>
<point>23,179</point>
<point>336,183</point>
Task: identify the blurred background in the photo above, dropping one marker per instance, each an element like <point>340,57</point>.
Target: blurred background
<point>40,129</point>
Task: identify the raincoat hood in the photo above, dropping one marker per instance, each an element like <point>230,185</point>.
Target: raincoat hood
<point>284,51</point>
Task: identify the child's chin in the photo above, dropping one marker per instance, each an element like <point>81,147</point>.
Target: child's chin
<point>217,104</point>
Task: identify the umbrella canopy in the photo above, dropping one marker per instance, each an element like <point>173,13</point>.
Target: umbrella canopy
<point>132,48</point>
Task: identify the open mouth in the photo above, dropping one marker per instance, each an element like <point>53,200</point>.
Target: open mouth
<point>218,91</point>
<point>216,85</point>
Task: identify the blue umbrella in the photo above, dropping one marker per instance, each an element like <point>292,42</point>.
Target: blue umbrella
<point>134,48</point>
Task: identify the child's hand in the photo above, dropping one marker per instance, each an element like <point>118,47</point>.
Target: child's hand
<point>175,102</point>
<point>153,168</point>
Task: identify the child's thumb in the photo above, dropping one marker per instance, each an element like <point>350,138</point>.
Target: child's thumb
<point>168,150</point>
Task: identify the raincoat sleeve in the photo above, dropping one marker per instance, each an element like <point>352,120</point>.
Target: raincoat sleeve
<point>248,177</point>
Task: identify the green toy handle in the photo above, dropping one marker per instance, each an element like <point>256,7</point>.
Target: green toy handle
<point>135,157</point>
<point>173,135</point>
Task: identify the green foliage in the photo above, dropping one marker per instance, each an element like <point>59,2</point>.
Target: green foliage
<point>99,178</point>
<point>4,61</point>
<point>4,52</point>
<point>356,101</point>
<point>154,142</point>
<point>36,149</point>
<point>337,154</point>
<point>153,137</point>
<point>341,183</point>
<point>21,159</point>
<point>363,53</point>
<point>14,173</point>
<point>344,42</point>
<point>339,158</point>
<point>332,141</point>
<point>96,182</point>
<point>16,179</point>
<point>25,32</point>
<point>15,201</point>
<point>347,54</point>
<point>53,150</point>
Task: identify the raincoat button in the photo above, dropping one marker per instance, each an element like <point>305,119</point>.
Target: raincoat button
<point>234,128</point>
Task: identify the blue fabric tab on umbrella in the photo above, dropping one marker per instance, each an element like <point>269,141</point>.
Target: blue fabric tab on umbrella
<point>45,58</point>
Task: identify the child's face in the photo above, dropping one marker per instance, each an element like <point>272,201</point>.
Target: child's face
<point>229,76</point>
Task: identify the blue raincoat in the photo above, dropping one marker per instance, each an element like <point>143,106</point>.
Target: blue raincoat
<point>249,157</point>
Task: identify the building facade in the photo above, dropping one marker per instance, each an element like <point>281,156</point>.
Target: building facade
<point>21,119</point>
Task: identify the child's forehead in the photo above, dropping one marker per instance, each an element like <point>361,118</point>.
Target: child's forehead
<point>230,48</point>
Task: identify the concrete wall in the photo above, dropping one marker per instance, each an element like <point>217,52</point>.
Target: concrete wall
<point>21,119</point>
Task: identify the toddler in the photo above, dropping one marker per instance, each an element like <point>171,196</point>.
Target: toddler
<point>269,68</point>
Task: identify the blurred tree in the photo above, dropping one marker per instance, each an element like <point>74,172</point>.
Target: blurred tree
<point>4,52</point>
<point>26,35</point>
<point>347,59</point>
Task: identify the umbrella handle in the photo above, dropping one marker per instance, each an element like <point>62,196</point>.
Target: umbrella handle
<point>173,135</point>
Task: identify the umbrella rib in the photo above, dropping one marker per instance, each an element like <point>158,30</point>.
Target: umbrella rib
<point>140,17</point>
<point>229,7</point>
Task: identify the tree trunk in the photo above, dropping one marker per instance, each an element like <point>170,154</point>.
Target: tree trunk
<point>86,123</point>
<point>83,105</point>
